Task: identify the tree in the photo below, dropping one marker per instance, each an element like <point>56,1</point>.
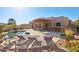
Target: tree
<point>12,23</point>
<point>77,22</point>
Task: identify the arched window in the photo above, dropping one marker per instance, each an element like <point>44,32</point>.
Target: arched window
<point>58,24</point>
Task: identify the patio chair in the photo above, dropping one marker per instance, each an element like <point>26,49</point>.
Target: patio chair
<point>48,37</point>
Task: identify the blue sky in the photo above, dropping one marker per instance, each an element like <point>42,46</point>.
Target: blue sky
<point>26,14</point>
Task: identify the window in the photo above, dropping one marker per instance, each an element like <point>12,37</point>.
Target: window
<point>58,24</point>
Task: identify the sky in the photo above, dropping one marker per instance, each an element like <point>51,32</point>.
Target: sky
<point>24,15</point>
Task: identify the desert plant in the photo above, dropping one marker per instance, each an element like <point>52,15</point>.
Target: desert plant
<point>73,46</point>
<point>69,33</point>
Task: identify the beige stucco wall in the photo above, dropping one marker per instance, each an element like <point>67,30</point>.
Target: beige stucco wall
<point>62,20</point>
<point>53,20</point>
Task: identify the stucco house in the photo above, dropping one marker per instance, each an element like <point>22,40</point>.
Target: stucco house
<point>51,23</point>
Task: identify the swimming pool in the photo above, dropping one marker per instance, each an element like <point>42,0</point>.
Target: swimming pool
<point>17,33</point>
<point>21,33</point>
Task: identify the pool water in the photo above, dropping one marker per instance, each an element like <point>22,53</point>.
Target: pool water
<point>17,33</point>
<point>21,33</point>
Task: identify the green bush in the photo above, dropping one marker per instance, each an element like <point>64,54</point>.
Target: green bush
<point>69,33</point>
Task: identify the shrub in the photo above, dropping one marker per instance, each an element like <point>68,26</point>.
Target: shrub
<point>69,33</point>
<point>73,46</point>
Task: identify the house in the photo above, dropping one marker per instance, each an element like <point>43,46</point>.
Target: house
<point>51,23</point>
